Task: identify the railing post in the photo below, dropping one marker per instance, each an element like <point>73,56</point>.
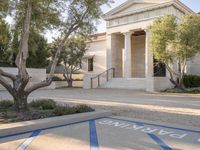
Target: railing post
<point>113,72</point>
<point>91,83</point>
<point>107,73</point>
<point>98,80</point>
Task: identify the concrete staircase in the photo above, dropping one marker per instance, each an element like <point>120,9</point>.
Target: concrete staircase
<point>123,83</point>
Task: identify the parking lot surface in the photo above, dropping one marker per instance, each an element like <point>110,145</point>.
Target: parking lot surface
<point>111,133</point>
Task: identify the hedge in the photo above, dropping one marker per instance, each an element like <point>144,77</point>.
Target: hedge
<point>191,81</point>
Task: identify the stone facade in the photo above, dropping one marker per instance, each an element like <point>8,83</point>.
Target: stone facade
<point>126,46</point>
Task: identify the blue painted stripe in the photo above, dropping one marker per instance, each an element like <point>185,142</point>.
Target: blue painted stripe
<point>94,145</point>
<point>28,141</point>
<point>59,126</point>
<point>151,124</point>
<point>159,142</point>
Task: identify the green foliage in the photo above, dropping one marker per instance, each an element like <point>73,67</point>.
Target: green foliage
<point>174,42</point>
<point>66,110</point>
<point>191,81</point>
<point>83,14</point>
<point>38,50</point>
<point>6,104</point>
<point>82,108</point>
<point>45,15</point>
<point>163,33</point>
<point>188,36</point>
<point>43,104</point>
<point>4,4</point>
<point>73,52</point>
<point>5,38</point>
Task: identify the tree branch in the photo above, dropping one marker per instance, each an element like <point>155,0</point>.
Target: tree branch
<point>38,86</point>
<point>8,75</point>
<point>5,84</point>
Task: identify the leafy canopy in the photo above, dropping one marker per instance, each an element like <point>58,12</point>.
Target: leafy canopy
<point>172,39</point>
<point>174,42</point>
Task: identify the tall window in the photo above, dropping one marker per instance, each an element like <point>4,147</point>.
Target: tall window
<point>90,64</point>
<point>159,69</point>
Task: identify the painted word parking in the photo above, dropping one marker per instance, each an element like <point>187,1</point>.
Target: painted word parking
<point>166,137</point>
<point>111,133</point>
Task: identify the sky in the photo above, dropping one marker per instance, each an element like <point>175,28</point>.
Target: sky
<point>193,4</point>
<point>101,27</point>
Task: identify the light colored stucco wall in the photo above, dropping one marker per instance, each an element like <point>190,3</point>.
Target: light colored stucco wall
<point>98,49</point>
<point>194,66</point>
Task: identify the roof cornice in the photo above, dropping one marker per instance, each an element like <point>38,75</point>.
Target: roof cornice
<point>176,3</point>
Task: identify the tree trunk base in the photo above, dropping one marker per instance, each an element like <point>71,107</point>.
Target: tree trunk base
<point>20,103</point>
<point>70,83</point>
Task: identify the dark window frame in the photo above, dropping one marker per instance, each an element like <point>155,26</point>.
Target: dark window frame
<point>90,64</point>
<point>159,69</point>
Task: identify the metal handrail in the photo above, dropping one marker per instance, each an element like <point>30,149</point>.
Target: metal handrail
<point>99,75</point>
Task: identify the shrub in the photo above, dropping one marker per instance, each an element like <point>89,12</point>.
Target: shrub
<point>66,110</point>
<point>56,78</point>
<point>63,110</point>
<point>43,104</point>
<point>82,108</point>
<point>191,81</point>
<point>6,104</point>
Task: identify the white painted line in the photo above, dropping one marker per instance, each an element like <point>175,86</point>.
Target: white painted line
<point>28,141</point>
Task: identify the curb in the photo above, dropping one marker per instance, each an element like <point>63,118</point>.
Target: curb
<point>29,126</point>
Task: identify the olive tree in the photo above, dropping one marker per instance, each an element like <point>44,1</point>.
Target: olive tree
<point>71,56</point>
<point>174,42</point>
<point>70,16</point>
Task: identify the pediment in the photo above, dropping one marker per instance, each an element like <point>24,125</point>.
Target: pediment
<point>134,7</point>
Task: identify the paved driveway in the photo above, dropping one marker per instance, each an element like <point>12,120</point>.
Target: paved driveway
<point>177,109</point>
<point>111,133</point>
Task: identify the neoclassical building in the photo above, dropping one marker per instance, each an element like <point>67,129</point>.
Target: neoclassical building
<point>121,57</point>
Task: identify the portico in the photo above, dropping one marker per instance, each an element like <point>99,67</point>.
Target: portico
<point>130,54</point>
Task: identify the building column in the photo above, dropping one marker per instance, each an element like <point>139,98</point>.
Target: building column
<point>127,70</point>
<point>109,57</point>
<point>149,74</point>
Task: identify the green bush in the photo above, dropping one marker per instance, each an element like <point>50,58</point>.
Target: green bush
<point>191,81</point>
<point>66,110</point>
<point>82,108</point>
<point>57,78</point>
<point>44,104</point>
<point>6,104</point>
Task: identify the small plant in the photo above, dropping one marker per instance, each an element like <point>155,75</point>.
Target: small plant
<point>44,104</point>
<point>82,108</point>
<point>66,110</point>
<point>62,110</point>
<point>6,104</point>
